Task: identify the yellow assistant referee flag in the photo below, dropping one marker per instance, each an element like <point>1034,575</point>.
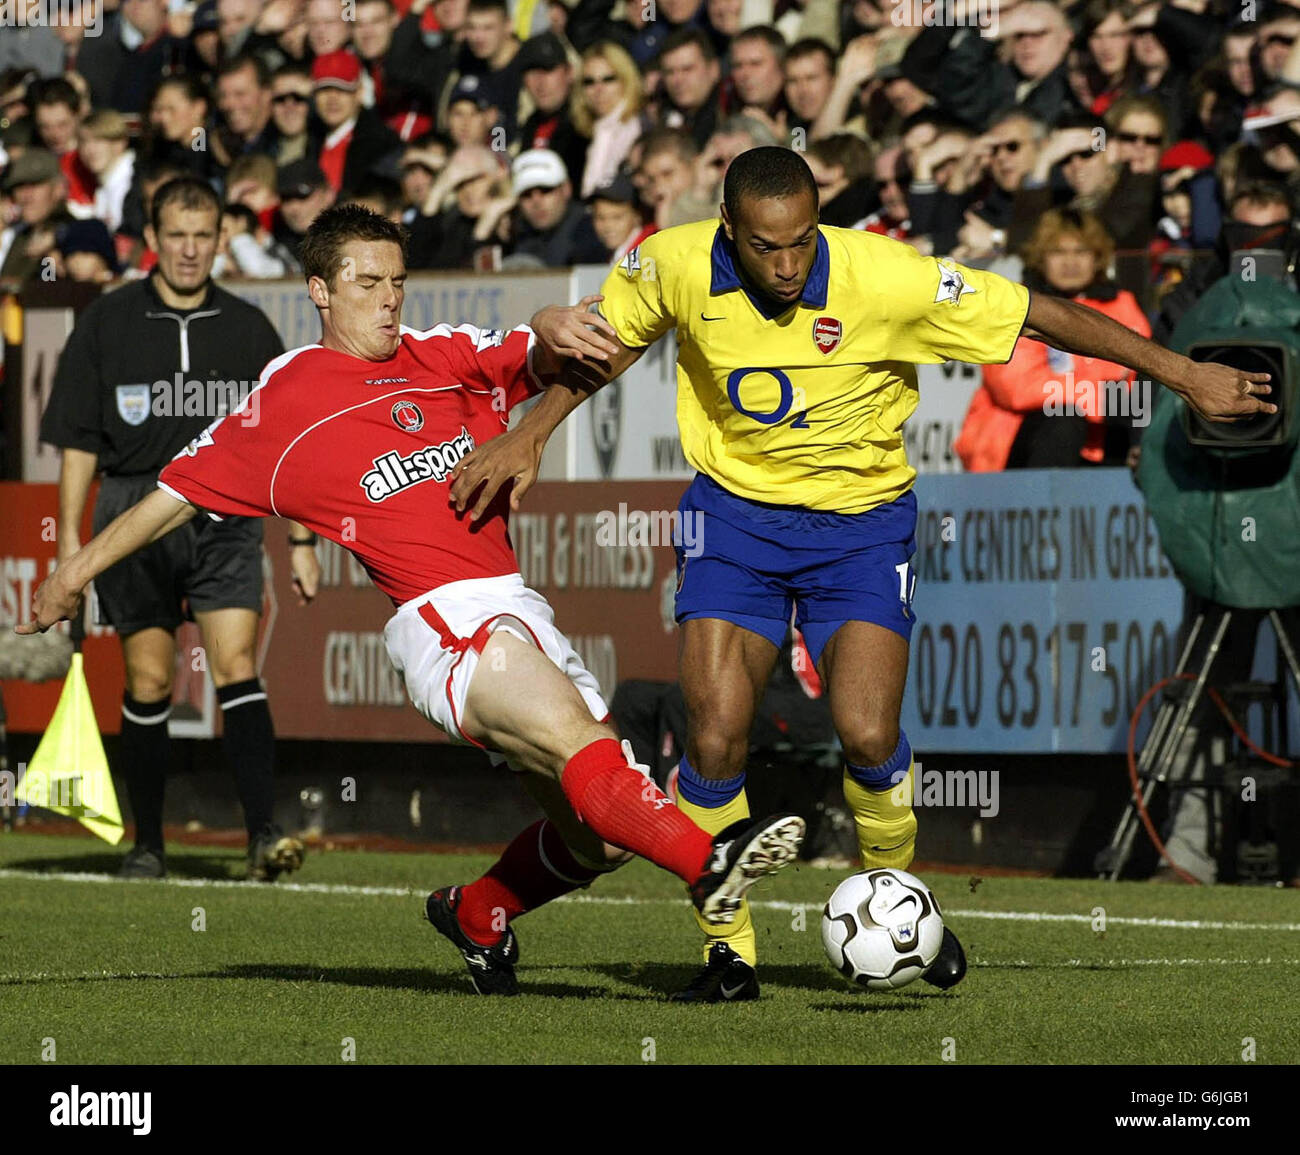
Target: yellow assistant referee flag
<point>69,773</point>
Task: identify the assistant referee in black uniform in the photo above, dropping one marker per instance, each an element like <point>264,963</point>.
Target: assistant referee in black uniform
<point>115,408</point>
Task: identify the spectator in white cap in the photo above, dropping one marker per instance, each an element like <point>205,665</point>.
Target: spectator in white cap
<point>549,224</point>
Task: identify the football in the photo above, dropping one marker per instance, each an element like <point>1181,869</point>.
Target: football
<point>882,929</point>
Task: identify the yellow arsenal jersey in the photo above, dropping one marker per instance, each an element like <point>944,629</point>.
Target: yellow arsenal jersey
<point>805,406</point>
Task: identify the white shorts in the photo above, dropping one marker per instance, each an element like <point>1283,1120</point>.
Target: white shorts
<point>434,642</point>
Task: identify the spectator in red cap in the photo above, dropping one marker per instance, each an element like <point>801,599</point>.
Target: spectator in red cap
<point>357,140</point>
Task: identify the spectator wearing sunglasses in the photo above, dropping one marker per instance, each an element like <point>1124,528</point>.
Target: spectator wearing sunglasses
<point>1277,37</point>
<point>1076,152</point>
<point>291,112</point>
<point>607,109</point>
<point>1139,133</point>
<point>973,217</point>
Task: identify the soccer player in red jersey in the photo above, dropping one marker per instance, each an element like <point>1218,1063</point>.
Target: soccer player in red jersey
<point>355,438</point>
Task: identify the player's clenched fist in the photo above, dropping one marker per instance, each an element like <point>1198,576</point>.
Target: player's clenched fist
<point>53,602</point>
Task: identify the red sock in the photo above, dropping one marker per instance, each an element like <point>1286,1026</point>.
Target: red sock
<point>535,868</point>
<point>629,810</point>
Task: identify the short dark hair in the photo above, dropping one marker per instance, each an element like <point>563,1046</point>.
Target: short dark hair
<point>243,213</point>
<point>675,140</point>
<point>768,35</point>
<point>766,172</point>
<point>376,187</point>
<point>846,151</point>
<point>1260,192</point>
<point>811,46</point>
<point>187,192</point>
<point>321,247</point>
<point>190,85</point>
<point>292,68</point>
<point>54,90</point>
<point>153,170</point>
<point>687,36</point>
<point>488,6</point>
<point>242,60</point>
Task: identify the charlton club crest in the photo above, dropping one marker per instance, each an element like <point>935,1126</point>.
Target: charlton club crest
<point>407,415</point>
<point>827,332</point>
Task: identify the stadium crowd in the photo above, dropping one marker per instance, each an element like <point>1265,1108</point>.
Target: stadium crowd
<point>528,133</point>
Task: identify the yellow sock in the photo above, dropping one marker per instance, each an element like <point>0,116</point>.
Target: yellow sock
<point>739,933</point>
<point>885,821</point>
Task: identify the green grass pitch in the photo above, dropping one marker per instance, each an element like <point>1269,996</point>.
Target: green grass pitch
<point>115,972</point>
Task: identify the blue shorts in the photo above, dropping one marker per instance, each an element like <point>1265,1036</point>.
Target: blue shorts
<point>756,562</point>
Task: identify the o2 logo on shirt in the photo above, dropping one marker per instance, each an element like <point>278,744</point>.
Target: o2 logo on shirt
<point>783,405</point>
<point>407,416</point>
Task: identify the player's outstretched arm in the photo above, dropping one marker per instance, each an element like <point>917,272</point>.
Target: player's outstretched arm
<point>1216,392</point>
<point>60,594</point>
<point>580,352</point>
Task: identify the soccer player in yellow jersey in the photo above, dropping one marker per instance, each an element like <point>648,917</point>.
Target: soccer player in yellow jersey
<point>797,346</point>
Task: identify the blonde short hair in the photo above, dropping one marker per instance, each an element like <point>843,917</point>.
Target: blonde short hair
<point>106,124</point>
<point>1057,223</point>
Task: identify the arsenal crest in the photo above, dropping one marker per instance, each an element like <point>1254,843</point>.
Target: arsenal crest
<point>827,332</point>
<point>407,415</point>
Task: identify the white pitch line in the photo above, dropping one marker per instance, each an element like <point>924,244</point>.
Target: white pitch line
<point>1121,963</point>
<point>1013,964</point>
<point>613,900</point>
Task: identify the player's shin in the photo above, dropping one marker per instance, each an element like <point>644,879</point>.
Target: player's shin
<point>880,799</point>
<point>536,868</point>
<point>714,805</point>
<point>627,809</point>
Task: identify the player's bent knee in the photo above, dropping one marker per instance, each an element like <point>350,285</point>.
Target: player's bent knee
<point>716,754</point>
<point>148,689</point>
<point>868,745</point>
<point>229,672</point>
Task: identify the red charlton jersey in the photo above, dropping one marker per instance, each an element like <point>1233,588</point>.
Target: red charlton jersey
<point>359,452</point>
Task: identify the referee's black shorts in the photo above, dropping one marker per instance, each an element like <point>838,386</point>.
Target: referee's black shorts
<point>209,565</point>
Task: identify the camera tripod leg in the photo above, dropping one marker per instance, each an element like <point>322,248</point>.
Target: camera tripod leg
<point>1162,746</point>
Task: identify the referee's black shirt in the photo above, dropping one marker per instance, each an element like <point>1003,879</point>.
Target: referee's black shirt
<point>116,386</point>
